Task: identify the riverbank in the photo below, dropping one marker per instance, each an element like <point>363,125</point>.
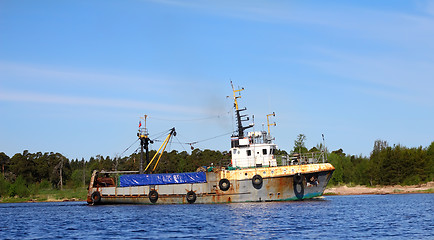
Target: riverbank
<point>70,195</point>
<point>50,195</point>
<point>364,190</point>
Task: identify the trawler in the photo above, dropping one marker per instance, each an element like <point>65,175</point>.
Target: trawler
<point>255,174</point>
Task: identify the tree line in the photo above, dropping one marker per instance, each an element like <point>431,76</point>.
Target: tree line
<point>25,173</point>
<point>387,165</point>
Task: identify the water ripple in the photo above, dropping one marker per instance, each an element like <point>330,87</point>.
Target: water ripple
<point>360,217</point>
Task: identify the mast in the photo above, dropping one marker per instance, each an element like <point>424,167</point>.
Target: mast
<point>144,143</point>
<point>268,138</point>
<point>239,117</point>
<point>268,122</point>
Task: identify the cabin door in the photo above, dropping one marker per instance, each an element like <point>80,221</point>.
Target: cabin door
<point>258,159</point>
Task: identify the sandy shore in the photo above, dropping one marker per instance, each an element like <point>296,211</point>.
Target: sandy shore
<point>397,189</point>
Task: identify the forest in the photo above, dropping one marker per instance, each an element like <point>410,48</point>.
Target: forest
<point>24,174</point>
<point>387,165</point>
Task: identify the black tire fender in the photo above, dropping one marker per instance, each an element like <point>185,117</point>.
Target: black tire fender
<point>224,184</point>
<point>298,186</point>
<point>191,197</point>
<point>153,196</point>
<point>298,178</point>
<point>96,197</point>
<point>257,181</point>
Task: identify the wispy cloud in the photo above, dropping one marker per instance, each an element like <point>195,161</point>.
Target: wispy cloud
<point>385,25</point>
<point>248,10</point>
<point>33,83</point>
<point>31,97</point>
<point>77,82</point>
<point>388,76</point>
<point>55,73</point>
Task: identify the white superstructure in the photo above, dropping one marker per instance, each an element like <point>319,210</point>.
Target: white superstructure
<point>256,150</point>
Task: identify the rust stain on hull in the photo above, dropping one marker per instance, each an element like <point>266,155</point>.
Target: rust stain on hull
<point>274,184</point>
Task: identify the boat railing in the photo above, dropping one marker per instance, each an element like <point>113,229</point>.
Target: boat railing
<point>301,159</point>
<point>222,163</point>
<point>117,172</point>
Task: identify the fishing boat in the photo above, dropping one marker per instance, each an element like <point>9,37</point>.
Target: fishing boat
<point>255,174</point>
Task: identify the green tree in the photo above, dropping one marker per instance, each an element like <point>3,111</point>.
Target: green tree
<point>378,155</point>
<point>299,144</point>
<point>19,188</point>
<point>76,179</point>
<point>430,161</point>
<point>23,165</point>
<point>336,161</point>
<point>4,162</point>
<point>4,187</point>
<point>399,164</point>
<point>313,149</point>
<point>361,170</point>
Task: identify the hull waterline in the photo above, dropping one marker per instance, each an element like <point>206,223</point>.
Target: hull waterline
<point>284,183</point>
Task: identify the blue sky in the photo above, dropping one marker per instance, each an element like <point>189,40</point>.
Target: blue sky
<point>76,76</point>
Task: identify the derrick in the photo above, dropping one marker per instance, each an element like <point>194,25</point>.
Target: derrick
<point>162,148</point>
<point>143,135</point>
<point>240,118</point>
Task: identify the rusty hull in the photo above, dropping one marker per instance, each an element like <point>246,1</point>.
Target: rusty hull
<point>278,184</point>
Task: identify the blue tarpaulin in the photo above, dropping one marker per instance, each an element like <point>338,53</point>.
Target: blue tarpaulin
<point>161,179</point>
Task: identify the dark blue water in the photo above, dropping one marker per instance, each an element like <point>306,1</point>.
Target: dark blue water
<point>367,216</point>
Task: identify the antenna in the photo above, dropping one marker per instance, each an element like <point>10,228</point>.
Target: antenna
<point>144,143</point>
<point>235,96</point>
<point>240,118</point>
<point>268,122</point>
<point>324,149</point>
<point>145,132</point>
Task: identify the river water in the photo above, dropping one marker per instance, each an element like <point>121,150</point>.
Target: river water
<point>336,217</point>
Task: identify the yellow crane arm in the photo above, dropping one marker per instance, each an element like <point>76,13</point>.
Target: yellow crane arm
<point>165,142</point>
<point>268,122</point>
<point>161,154</point>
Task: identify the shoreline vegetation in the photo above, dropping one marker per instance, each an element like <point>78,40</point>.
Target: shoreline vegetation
<point>79,195</point>
<point>53,177</point>
<point>50,195</point>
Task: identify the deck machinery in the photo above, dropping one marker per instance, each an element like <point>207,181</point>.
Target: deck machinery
<point>255,174</point>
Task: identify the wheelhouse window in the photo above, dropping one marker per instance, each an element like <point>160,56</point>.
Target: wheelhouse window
<point>264,151</point>
<point>249,152</point>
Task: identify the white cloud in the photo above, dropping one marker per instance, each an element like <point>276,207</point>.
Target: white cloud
<point>388,76</point>
<point>390,26</point>
<point>248,10</point>
<point>54,73</point>
<point>30,97</point>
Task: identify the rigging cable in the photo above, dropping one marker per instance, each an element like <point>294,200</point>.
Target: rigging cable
<point>191,143</point>
<point>181,144</point>
<point>160,134</point>
<point>170,144</point>
<point>128,148</point>
<point>132,154</point>
<point>195,142</point>
<point>188,120</point>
